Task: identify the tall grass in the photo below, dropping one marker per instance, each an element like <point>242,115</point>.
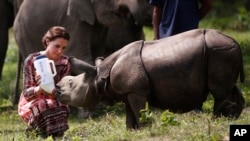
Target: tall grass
<point>110,125</point>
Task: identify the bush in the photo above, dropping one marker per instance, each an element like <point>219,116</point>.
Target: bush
<point>225,15</point>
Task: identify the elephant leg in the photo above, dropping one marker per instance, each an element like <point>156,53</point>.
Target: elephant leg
<point>6,22</point>
<point>4,46</point>
<point>133,107</point>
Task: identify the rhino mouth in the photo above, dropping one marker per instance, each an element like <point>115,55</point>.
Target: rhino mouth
<point>61,97</point>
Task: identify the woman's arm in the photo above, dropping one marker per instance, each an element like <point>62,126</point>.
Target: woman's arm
<point>30,85</point>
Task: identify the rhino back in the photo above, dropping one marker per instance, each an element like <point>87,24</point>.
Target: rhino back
<point>176,70</point>
<point>224,55</point>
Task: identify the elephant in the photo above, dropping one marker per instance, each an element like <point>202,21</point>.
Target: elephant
<point>8,10</point>
<point>6,22</point>
<point>175,73</point>
<point>121,35</point>
<point>87,21</point>
<point>131,30</point>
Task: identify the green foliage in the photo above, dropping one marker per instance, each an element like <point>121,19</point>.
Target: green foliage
<point>242,21</point>
<point>118,109</point>
<point>245,46</point>
<point>31,135</point>
<point>226,15</point>
<point>50,138</point>
<point>148,33</point>
<point>146,115</point>
<point>168,118</point>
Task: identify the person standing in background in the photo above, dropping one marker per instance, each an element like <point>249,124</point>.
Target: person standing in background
<point>171,17</point>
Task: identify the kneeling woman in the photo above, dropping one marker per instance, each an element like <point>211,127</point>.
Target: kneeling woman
<point>39,109</point>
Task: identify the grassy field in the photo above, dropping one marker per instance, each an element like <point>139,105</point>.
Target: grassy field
<point>110,125</point>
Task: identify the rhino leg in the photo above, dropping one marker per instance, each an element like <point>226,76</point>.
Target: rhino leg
<point>133,107</point>
<point>232,106</point>
<point>238,99</point>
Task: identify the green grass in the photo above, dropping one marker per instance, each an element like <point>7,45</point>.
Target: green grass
<point>149,34</point>
<point>110,126</point>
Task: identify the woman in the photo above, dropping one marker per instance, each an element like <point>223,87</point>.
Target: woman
<point>41,110</point>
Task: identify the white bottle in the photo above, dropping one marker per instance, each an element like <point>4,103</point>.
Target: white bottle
<point>43,67</point>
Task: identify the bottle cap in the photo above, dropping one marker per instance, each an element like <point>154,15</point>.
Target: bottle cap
<point>41,56</point>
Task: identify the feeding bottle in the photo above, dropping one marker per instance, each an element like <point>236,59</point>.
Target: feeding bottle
<point>47,70</point>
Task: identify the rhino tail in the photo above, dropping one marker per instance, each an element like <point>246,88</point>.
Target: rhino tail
<point>242,74</point>
<point>241,71</point>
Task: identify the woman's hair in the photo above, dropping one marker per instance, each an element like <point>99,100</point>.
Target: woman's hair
<point>54,33</point>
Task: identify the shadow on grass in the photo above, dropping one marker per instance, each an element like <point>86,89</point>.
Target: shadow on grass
<point>116,109</point>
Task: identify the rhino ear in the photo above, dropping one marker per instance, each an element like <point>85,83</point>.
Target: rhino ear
<point>79,66</point>
<point>82,10</point>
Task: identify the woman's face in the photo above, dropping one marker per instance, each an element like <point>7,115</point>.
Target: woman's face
<point>56,48</point>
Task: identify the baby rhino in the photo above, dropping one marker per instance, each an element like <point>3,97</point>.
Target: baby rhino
<point>174,73</point>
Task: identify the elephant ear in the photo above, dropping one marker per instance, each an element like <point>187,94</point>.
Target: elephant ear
<point>82,10</point>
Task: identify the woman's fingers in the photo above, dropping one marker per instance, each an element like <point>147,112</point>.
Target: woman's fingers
<point>38,79</point>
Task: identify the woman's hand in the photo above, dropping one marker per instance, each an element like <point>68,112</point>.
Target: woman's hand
<point>38,79</point>
<point>38,89</point>
<point>53,93</point>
